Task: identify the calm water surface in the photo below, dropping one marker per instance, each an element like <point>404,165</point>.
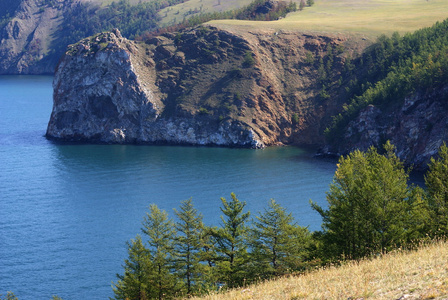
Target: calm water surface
<point>66,211</point>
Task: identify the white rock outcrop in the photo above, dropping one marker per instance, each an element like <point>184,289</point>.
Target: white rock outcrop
<point>105,93</point>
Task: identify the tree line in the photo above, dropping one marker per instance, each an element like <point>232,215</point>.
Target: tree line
<point>186,257</point>
<point>372,209</point>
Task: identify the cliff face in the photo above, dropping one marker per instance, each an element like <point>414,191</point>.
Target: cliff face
<point>206,86</point>
<point>417,127</point>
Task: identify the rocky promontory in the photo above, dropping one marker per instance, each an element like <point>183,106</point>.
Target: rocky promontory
<point>231,87</point>
<point>204,86</point>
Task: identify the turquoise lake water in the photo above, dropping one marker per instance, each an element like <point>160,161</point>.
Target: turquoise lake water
<point>66,211</point>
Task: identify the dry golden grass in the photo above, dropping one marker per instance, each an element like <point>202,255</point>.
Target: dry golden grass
<point>421,274</point>
<point>368,17</point>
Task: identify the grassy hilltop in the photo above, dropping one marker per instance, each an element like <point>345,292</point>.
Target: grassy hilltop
<point>39,53</point>
<point>421,274</point>
<point>369,17</point>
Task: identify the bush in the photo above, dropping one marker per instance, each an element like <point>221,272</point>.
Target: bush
<point>249,60</point>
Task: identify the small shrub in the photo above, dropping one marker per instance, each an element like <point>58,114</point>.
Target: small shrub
<point>309,57</point>
<point>236,73</point>
<point>295,118</point>
<point>249,59</point>
<point>203,111</point>
<point>237,96</point>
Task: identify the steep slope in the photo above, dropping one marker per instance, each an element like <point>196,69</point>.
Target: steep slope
<point>35,33</point>
<point>27,36</point>
<point>413,275</point>
<point>206,86</point>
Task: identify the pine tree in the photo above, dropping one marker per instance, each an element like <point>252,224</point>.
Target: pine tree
<point>161,234</point>
<point>369,205</point>
<point>134,284</point>
<point>436,181</point>
<point>189,244</point>
<point>302,4</point>
<point>231,244</point>
<point>278,244</point>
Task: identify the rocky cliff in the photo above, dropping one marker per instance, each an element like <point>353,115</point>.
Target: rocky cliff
<point>417,127</point>
<point>205,86</point>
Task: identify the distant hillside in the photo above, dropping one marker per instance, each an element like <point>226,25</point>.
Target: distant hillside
<point>35,33</point>
<point>398,91</point>
<point>401,275</point>
<point>177,13</point>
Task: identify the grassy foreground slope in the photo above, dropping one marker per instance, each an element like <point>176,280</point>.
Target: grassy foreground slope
<point>421,274</point>
<point>369,17</point>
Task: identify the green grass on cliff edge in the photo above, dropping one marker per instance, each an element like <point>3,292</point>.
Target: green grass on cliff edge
<point>368,17</point>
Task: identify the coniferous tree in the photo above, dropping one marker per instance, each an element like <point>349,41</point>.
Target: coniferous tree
<point>189,245</point>
<point>231,243</point>
<point>134,284</point>
<point>437,189</point>
<point>278,245</point>
<point>369,205</point>
<point>161,234</point>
